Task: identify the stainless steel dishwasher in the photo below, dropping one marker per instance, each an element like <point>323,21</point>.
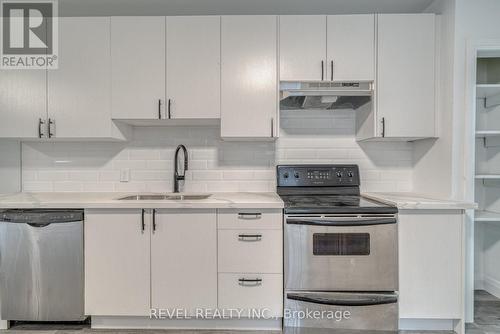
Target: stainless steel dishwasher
<point>41,265</point>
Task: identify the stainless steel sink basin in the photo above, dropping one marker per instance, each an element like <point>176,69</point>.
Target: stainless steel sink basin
<point>160,197</point>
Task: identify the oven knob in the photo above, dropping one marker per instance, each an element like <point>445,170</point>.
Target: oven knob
<point>285,175</point>
<point>296,175</point>
<point>349,174</point>
<point>339,174</point>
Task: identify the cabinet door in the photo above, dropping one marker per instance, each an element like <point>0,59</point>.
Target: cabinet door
<point>138,67</point>
<point>79,90</point>
<point>193,66</point>
<point>405,86</point>
<point>249,90</point>
<point>23,101</point>
<point>184,260</point>
<point>117,263</point>
<point>302,47</point>
<point>351,47</point>
<point>431,264</point>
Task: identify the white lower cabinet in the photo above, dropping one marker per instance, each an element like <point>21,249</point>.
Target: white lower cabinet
<point>251,251</point>
<point>117,263</point>
<point>142,259</point>
<point>184,260</point>
<point>252,294</point>
<point>135,261</point>
<point>431,264</point>
<point>250,261</point>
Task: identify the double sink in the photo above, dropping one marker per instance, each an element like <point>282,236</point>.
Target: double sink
<point>165,197</point>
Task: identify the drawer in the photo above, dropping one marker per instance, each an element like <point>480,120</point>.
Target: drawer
<point>260,292</point>
<point>250,251</point>
<point>250,219</point>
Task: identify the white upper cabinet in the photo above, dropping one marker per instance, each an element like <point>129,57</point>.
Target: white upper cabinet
<point>138,67</point>
<point>327,48</point>
<point>406,76</point>
<point>79,91</point>
<point>23,103</point>
<point>350,48</point>
<point>184,260</point>
<point>249,87</point>
<point>117,263</point>
<point>193,67</point>
<point>302,47</point>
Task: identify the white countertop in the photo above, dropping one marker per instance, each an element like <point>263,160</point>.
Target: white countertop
<point>240,200</point>
<point>411,201</point>
<point>87,200</point>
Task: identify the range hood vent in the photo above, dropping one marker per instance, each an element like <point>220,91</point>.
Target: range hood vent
<point>324,95</point>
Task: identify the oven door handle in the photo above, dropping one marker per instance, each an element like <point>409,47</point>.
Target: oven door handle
<point>342,221</point>
<point>344,300</point>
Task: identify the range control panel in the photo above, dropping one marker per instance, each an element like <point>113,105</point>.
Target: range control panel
<point>317,175</point>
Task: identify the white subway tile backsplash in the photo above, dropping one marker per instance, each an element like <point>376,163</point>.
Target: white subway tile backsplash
<point>50,175</point>
<point>207,175</point>
<point>111,175</point>
<point>83,175</point>
<point>68,186</point>
<point>319,137</point>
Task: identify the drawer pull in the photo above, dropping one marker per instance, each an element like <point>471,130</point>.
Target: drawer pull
<point>250,281</point>
<point>243,215</point>
<point>250,237</point>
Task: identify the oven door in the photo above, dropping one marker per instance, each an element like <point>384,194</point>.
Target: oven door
<point>333,310</point>
<point>341,253</point>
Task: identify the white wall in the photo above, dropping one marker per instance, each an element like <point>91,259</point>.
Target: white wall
<point>215,165</point>
<point>433,158</point>
<point>10,167</point>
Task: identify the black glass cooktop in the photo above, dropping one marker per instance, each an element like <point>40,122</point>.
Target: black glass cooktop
<point>334,204</point>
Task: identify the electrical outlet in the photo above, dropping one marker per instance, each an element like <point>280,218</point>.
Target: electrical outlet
<point>125,175</point>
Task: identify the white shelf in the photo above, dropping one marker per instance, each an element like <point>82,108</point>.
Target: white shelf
<point>488,176</point>
<point>487,133</point>
<point>486,216</point>
<point>487,90</point>
<point>491,94</point>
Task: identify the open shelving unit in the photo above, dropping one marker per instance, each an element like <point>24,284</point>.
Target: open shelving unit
<point>488,176</point>
<point>487,169</point>
<point>490,93</point>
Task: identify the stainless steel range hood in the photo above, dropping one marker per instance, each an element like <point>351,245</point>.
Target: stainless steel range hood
<point>324,95</point>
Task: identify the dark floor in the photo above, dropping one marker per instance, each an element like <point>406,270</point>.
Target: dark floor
<point>486,321</point>
<point>486,314</point>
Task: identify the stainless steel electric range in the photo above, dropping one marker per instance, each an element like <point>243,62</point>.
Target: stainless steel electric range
<point>341,251</point>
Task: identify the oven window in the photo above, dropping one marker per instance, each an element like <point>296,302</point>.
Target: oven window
<point>341,244</point>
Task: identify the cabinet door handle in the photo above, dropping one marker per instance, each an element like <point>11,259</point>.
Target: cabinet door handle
<point>159,108</point>
<point>383,127</point>
<point>249,215</point>
<point>322,70</point>
<point>250,237</point>
<point>250,281</point>
<point>40,131</point>
<point>154,220</point>
<point>52,124</point>
<point>331,69</point>
<point>143,223</point>
<point>272,127</point>
<point>169,108</point>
